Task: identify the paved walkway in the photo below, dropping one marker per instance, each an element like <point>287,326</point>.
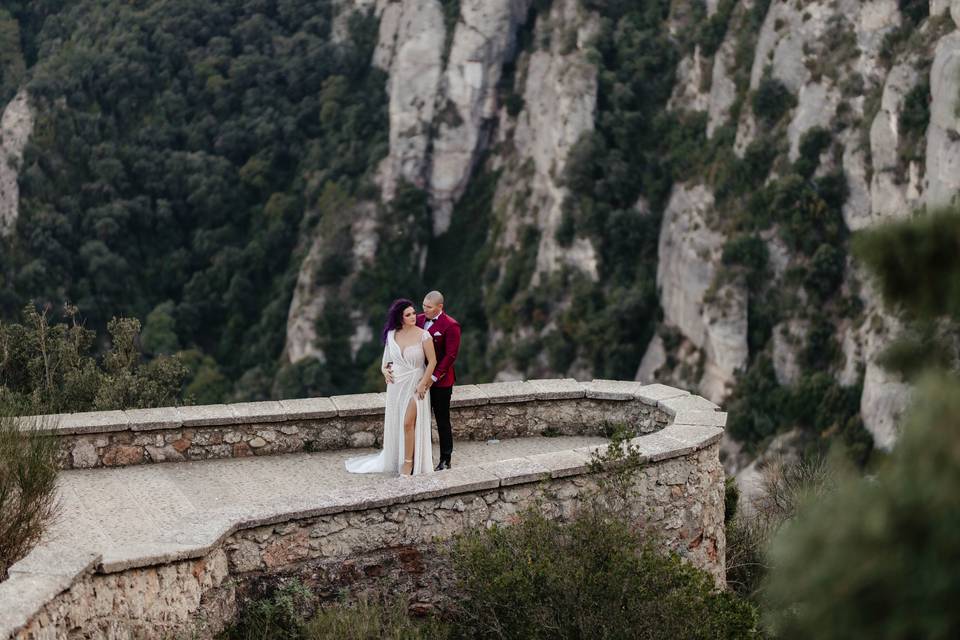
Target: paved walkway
<point>124,513</point>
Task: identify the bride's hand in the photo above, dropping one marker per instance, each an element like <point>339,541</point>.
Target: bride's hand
<point>422,390</point>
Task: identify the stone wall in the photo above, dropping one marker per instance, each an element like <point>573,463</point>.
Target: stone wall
<point>499,410</point>
<point>388,538</point>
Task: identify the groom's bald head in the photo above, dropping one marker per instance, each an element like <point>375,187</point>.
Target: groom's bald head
<point>432,304</point>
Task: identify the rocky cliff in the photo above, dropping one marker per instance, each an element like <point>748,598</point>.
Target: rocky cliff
<point>514,88</point>
<point>665,190</point>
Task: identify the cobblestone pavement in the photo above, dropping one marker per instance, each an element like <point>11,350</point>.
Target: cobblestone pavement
<point>106,510</point>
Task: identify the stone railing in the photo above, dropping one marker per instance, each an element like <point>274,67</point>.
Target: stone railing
<point>498,410</point>
<point>190,579</point>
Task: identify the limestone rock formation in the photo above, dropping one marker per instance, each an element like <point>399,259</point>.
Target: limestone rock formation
<point>943,133</point>
<point>559,91</point>
<point>787,338</point>
<point>890,198</point>
<point>311,296</point>
<point>715,320</point>
<point>410,49</point>
<point>16,126</point>
<point>723,90</point>
<point>483,41</point>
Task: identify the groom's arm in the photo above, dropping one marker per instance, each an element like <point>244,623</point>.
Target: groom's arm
<point>452,347</point>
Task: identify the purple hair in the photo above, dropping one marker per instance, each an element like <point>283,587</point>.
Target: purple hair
<point>395,315</point>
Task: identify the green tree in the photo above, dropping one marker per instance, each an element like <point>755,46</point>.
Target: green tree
<point>160,330</point>
<point>50,367</point>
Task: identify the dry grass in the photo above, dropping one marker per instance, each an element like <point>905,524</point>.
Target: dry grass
<point>784,485</point>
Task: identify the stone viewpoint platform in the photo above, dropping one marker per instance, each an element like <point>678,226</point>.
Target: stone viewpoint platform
<point>161,550</point>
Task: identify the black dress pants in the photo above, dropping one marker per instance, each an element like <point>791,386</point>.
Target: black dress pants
<point>440,401</point>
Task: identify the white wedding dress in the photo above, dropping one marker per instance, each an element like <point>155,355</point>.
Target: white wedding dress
<point>409,365</point>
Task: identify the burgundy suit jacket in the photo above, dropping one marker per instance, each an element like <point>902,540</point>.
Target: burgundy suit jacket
<point>445,332</point>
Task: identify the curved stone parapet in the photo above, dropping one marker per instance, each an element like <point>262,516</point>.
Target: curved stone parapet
<point>478,412</point>
<point>188,577</point>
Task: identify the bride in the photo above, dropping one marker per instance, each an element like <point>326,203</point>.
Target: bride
<point>408,361</point>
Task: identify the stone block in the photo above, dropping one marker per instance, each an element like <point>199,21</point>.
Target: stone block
<point>22,595</point>
<point>503,392</point>
<point>674,472</point>
<point>120,455</point>
<point>562,463</point>
<point>516,471</point>
<point>697,436</point>
<point>468,395</point>
<point>166,453</point>
<point>207,415</point>
<point>360,404</point>
<point>654,393</point>
<point>153,419</point>
<point>309,408</point>
<point>701,417</point>
<point>589,451</point>
<point>446,483</point>
<point>254,412</point>
<point>87,422</point>
<point>558,389</point>
<point>622,390</point>
<point>145,554</point>
<point>672,406</point>
<point>56,559</point>
<point>84,455</point>
<point>656,446</point>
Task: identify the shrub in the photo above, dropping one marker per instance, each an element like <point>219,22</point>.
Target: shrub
<point>772,100</point>
<point>826,272</point>
<point>926,345</point>
<point>783,485</point>
<point>755,405</point>
<point>810,213</point>
<point>749,252</point>
<point>916,109</point>
<point>813,142</point>
<point>595,577</point>
<point>365,620</point>
<point>906,253</point>
<point>28,473</point>
<point>49,368</point>
<point>712,31</point>
<point>280,615</point>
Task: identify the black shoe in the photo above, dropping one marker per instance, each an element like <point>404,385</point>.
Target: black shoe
<point>444,464</point>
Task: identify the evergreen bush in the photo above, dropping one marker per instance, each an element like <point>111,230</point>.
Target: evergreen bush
<point>772,100</point>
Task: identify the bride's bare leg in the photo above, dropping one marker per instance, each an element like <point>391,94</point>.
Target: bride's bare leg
<point>409,429</point>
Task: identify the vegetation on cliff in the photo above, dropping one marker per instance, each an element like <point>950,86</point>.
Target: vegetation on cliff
<point>180,150</point>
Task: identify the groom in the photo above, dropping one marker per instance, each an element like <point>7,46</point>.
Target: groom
<point>445,332</point>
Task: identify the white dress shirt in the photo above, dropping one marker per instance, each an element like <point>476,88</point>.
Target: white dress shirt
<point>426,326</point>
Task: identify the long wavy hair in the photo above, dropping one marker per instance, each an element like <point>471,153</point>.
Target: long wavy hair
<point>395,315</point>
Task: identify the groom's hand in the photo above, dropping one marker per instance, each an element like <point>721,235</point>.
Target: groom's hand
<point>388,374</point>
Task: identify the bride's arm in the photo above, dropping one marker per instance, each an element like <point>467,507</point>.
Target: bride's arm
<point>431,354</point>
<point>384,369</point>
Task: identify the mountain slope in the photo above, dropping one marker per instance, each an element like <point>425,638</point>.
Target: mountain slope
<point>602,188</point>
